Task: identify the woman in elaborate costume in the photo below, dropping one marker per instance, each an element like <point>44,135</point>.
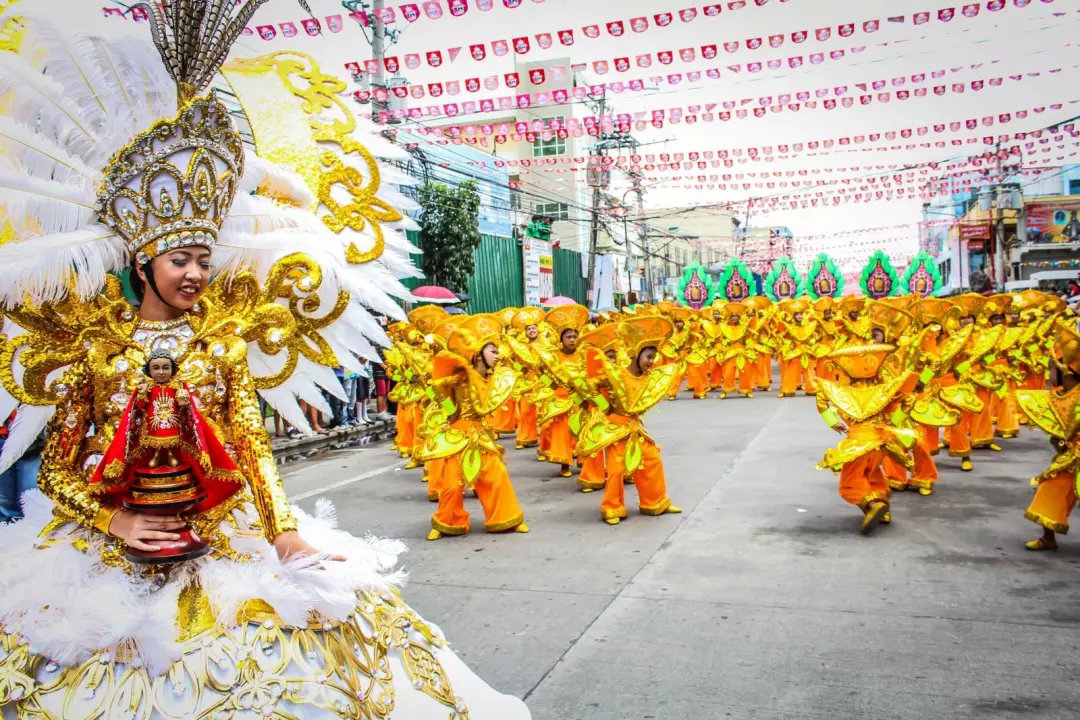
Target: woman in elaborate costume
<point>110,162</point>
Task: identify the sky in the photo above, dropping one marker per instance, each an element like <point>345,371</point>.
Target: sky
<point>1012,44</point>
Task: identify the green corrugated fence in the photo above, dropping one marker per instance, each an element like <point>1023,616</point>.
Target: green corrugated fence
<point>568,280</point>
<point>498,276</point>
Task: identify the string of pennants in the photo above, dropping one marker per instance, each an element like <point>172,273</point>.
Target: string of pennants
<point>847,93</point>
<point>433,10</point>
<point>783,151</point>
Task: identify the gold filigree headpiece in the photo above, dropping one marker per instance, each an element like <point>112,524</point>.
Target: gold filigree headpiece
<point>173,184</point>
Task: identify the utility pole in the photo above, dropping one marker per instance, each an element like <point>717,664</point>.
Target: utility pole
<point>642,234</point>
<point>999,228</point>
<point>594,231</point>
<point>378,53</point>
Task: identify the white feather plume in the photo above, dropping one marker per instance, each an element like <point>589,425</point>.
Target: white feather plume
<point>30,420</point>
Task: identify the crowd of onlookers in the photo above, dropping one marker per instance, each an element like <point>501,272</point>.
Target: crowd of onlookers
<point>365,403</point>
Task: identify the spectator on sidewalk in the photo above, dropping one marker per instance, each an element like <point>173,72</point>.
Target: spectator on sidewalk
<point>348,382</point>
<point>382,388</point>
<point>18,478</point>
<point>363,392</point>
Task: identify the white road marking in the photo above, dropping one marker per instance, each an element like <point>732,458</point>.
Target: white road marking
<point>347,481</point>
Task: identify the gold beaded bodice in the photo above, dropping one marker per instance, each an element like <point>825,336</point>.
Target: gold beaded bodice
<point>85,358</point>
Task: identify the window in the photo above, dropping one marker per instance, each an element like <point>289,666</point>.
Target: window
<point>554,146</point>
<point>1074,187</point>
<point>555,211</point>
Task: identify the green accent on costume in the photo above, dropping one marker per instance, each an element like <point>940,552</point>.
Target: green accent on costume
<point>695,288</point>
<point>922,276</point>
<point>878,279</point>
<point>783,281</point>
<point>736,282</point>
<point>824,278</point>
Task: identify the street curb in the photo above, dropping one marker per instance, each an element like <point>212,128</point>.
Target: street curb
<point>291,449</point>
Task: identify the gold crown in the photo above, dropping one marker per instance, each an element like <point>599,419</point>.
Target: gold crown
<point>173,184</point>
<point>1067,345</point>
<point>427,317</point>
<point>525,317</point>
<point>891,320</point>
<point>470,337</point>
<point>860,362</point>
<point>567,317</point>
<point>638,333</point>
<point>603,338</point>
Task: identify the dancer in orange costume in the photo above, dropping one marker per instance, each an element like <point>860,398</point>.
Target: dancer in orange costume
<point>697,357</point>
<point>1057,412</point>
<point>861,409</point>
<point>677,347</point>
<point>797,352</point>
<point>630,451</point>
<point>737,352</point>
<point>985,316</point>
<point>504,420</point>
<point>714,321</point>
<point>559,396</point>
<point>761,311</point>
<point>432,415</point>
<point>831,330</point>
<point>470,385</point>
<point>526,325</point>
<point>593,471</point>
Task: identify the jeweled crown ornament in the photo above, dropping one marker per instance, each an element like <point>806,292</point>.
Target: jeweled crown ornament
<point>173,184</point>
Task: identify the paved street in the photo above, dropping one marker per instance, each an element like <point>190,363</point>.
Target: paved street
<point>761,601</point>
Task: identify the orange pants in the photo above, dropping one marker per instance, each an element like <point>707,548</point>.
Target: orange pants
<point>792,373</point>
<point>862,480</point>
<point>931,438</point>
<point>406,429</point>
<point>958,436</point>
<point>1034,381</point>
<point>982,424</point>
<point>504,419</point>
<point>557,442</point>
<point>764,372</point>
<point>697,379</point>
<point>1007,412</point>
<point>924,475</point>
<point>526,424</point>
<point>716,373</point>
<point>592,476</point>
<point>434,473</point>
<point>821,372</point>
<point>745,378</point>
<point>648,479</point>
<point>676,385</point>
<point>1054,500</point>
<point>493,488</point>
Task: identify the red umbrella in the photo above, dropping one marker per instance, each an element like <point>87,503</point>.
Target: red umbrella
<point>434,294</point>
<point>558,300</point>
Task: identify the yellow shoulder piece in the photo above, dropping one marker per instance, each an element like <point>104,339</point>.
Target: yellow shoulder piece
<point>861,402</point>
<point>1037,405</point>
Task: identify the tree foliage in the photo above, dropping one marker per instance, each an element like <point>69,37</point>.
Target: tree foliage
<point>449,232</point>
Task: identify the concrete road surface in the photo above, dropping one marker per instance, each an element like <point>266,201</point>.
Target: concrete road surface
<point>761,600</point>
